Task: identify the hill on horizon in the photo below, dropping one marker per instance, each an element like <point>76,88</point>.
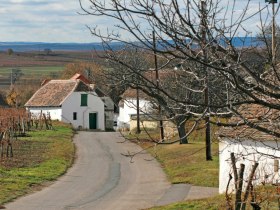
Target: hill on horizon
<point>41,46</point>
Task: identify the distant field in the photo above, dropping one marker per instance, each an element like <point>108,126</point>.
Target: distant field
<point>33,71</point>
<point>40,59</point>
<point>30,75</point>
<point>37,66</point>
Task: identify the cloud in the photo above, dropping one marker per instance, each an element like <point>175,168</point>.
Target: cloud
<point>43,20</point>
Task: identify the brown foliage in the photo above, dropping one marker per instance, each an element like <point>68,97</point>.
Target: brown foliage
<point>9,116</point>
<point>92,71</point>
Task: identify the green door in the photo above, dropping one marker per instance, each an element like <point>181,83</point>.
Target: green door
<point>92,120</point>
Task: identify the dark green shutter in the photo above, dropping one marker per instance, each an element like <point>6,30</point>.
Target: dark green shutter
<point>84,99</point>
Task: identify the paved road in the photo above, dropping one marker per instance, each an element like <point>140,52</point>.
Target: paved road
<point>102,179</point>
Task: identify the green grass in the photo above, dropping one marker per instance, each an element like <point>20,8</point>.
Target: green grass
<point>187,164</point>
<point>37,159</point>
<point>33,71</point>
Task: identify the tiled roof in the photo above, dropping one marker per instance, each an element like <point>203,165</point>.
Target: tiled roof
<point>132,94</point>
<point>55,92</point>
<point>260,116</point>
<point>81,77</point>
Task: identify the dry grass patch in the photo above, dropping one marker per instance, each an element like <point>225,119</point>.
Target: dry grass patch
<point>39,158</point>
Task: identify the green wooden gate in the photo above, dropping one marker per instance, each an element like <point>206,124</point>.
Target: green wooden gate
<point>92,120</point>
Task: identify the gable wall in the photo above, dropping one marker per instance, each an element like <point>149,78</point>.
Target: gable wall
<point>73,104</point>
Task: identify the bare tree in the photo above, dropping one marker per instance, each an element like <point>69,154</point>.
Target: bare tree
<point>208,47</point>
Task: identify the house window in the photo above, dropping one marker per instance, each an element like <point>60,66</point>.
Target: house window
<point>74,115</point>
<point>84,99</point>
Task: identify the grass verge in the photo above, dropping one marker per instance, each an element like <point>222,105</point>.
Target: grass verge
<point>185,163</point>
<point>40,158</point>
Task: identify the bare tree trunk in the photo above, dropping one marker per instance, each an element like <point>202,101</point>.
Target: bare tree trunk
<point>248,188</point>
<point>208,139</point>
<point>238,200</point>
<point>235,175</point>
<point>228,198</point>
<point>182,133</point>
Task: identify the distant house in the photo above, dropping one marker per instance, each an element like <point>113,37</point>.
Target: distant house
<point>71,101</point>
<point>249,146</point>
<point>128,107</point>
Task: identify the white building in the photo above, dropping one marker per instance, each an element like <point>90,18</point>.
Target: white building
<point>248,152</point>
<point>250,146</point>
<point>109,106</point>
<point>128,107</point>
<point>71,101</point>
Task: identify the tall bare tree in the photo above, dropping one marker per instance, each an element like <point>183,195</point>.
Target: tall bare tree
<point>229,73</point>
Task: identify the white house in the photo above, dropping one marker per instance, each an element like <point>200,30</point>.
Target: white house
<point>109,104</point>
<point>128,107</point>
<point>250,146</point>
<point>71,101</point>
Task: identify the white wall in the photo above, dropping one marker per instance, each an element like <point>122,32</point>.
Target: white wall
<point>130,108</point>
<point>73,104</point>
<point>55,112</point>
<point>248,152</point>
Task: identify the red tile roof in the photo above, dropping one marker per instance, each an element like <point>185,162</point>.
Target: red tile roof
<point>81,77</point>
<point>260,116</point>
<point>55,92</point>
<point>132,94</point>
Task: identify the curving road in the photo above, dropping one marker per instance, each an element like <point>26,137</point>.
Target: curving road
<point>101,178</point>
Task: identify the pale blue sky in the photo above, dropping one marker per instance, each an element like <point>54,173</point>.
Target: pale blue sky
<point>59,21</point>
<point>43,21</point>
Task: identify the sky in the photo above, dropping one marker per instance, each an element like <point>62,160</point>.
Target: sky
<point>44,21</point>
<point>59,21</point>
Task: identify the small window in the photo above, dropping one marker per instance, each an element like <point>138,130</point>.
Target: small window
<point>84,98</point>
<point>74,115</point>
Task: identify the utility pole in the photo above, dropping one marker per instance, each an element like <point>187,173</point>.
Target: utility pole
<point>12,75</point>
<point>206,91</point>
<point>273,41</point>
<point>273,31</point>
<point>157,82</point>
<point>138,130</point>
